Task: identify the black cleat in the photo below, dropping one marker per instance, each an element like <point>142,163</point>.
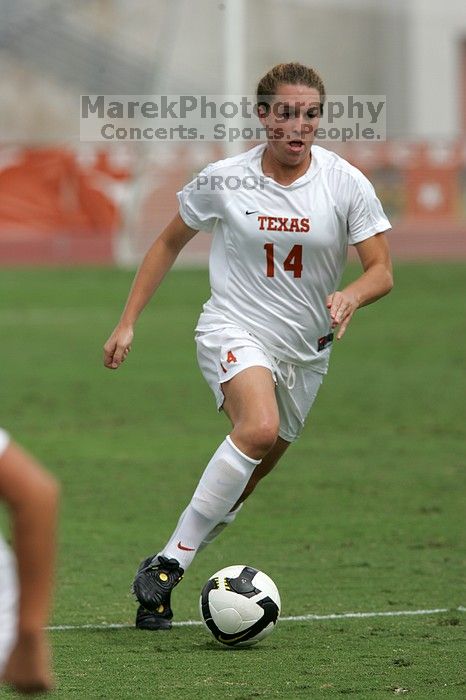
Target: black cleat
<point>146,620</point>
<point>155,579</point>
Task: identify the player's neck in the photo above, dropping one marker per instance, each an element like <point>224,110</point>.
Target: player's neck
<point>283,173</point>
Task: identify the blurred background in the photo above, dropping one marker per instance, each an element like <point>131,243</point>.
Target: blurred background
<point>63,201</point>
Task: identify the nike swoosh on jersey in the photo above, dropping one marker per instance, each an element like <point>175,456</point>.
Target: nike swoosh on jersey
<point>248,213</point>
<point>185,549</point>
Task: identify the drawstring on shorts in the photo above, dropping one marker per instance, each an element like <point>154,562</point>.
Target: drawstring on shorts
<point>290,377</point>
<point>286,372</point>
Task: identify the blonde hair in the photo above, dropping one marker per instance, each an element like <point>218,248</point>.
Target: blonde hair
<point>288,74</point>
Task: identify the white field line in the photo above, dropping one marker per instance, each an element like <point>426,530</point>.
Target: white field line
<point>293,618</point>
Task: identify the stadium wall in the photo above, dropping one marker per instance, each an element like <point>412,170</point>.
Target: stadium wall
<point>98,206</point>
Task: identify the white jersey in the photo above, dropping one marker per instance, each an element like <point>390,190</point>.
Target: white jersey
<point>279,250</point>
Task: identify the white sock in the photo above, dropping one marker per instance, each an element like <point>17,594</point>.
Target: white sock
<point>216,530</point>
<point>219,528</point>
<point>220,486</point>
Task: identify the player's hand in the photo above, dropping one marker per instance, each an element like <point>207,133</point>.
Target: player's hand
<point>28,669</point>
<point>342,306</point>
<point>118,346</point>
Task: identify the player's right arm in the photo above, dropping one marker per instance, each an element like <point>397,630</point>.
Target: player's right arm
<point>157,262</point>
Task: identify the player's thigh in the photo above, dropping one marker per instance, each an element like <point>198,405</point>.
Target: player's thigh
<point>250,399</point>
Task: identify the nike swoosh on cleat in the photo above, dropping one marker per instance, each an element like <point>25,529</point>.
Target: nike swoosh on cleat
<point>248,213</point>
<point>185,549</point>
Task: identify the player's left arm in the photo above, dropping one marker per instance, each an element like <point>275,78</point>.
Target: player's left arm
<point>374,283</point>
<point>32,496</point>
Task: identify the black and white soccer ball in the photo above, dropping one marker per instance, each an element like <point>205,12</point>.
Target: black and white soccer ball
<point>240,605</point>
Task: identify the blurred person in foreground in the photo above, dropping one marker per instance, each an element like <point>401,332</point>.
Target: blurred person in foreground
<point>26,585</point>
<point>265,335</point>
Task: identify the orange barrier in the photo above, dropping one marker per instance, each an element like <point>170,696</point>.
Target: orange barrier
<point>61,206</point>
<point>420,184</point>
<point>53,206</point>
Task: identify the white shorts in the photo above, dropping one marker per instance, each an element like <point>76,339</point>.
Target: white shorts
<point>225,352</point>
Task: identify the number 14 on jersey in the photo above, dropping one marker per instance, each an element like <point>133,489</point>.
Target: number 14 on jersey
<point>292,263</point>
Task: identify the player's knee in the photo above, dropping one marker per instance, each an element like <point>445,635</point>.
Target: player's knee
<point>262,435</point>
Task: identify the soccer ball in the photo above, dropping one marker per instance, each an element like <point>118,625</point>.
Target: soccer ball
<point>239,605</point>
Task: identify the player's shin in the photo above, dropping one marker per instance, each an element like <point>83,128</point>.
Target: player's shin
<point>219,528</point>
<point>219,488</point>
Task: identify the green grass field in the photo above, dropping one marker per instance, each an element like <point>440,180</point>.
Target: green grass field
<point>365,513</point>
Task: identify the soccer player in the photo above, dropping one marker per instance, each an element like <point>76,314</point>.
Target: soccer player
<point>32,496</point>
<point>265,335</point>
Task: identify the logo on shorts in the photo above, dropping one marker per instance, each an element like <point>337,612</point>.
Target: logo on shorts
<point>324,341</point>
<point>230,358</point>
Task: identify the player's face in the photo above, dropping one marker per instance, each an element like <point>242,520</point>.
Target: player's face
<point>291,123</point>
